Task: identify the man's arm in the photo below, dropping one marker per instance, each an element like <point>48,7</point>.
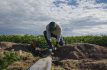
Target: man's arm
<point>59,36</point>
<point>48,33</point>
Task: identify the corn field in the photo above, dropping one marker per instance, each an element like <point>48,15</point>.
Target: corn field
<point>99,40</point>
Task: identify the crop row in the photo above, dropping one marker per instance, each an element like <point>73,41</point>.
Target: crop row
<point>99,40</point>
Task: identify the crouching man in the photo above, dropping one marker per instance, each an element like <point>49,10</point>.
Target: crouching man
<point>53,30</point>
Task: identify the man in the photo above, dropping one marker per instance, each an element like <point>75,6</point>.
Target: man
<point>53,30</point>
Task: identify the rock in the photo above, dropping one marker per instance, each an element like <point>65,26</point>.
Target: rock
<point>42,64</point>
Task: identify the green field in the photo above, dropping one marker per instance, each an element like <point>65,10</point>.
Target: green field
<point>99,40</point>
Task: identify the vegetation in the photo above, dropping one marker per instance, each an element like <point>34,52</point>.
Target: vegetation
<point>7,59</point>
<point>99,40</point>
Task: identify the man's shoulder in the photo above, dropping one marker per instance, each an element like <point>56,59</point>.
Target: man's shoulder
<point>47,26</point>
<point>58,26</point>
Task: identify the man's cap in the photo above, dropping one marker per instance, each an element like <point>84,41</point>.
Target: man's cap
<point>52,24</point>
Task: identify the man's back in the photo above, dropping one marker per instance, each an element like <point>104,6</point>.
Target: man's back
<point>56,31</point>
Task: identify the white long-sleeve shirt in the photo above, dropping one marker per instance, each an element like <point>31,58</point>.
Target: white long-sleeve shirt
<point>56,32</point>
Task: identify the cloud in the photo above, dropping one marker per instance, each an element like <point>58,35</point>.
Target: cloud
<point>75,16</point>
<point>94,30</point>
<point>87,14</point>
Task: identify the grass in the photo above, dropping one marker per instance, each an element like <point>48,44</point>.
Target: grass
<point>99,40</point>
<point>7,59</point>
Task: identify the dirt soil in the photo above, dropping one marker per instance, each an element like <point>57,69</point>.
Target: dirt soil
<point>22,50</point>
<point>81,56</point>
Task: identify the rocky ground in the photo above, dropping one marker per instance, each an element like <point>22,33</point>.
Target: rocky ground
<point>81,56</point>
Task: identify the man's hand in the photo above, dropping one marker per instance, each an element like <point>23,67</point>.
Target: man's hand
<point>61,42</point>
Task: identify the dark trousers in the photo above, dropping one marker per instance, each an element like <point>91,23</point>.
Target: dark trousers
<point>52,35</point>
<point>48,41</point>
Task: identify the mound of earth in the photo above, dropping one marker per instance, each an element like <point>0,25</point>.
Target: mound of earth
<point>83,56</point>
<point>81,51</point>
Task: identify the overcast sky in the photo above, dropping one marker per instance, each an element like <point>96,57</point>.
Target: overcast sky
<point>76,17</point>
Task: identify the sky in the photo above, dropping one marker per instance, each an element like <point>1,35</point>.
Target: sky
<point>76,17</point>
